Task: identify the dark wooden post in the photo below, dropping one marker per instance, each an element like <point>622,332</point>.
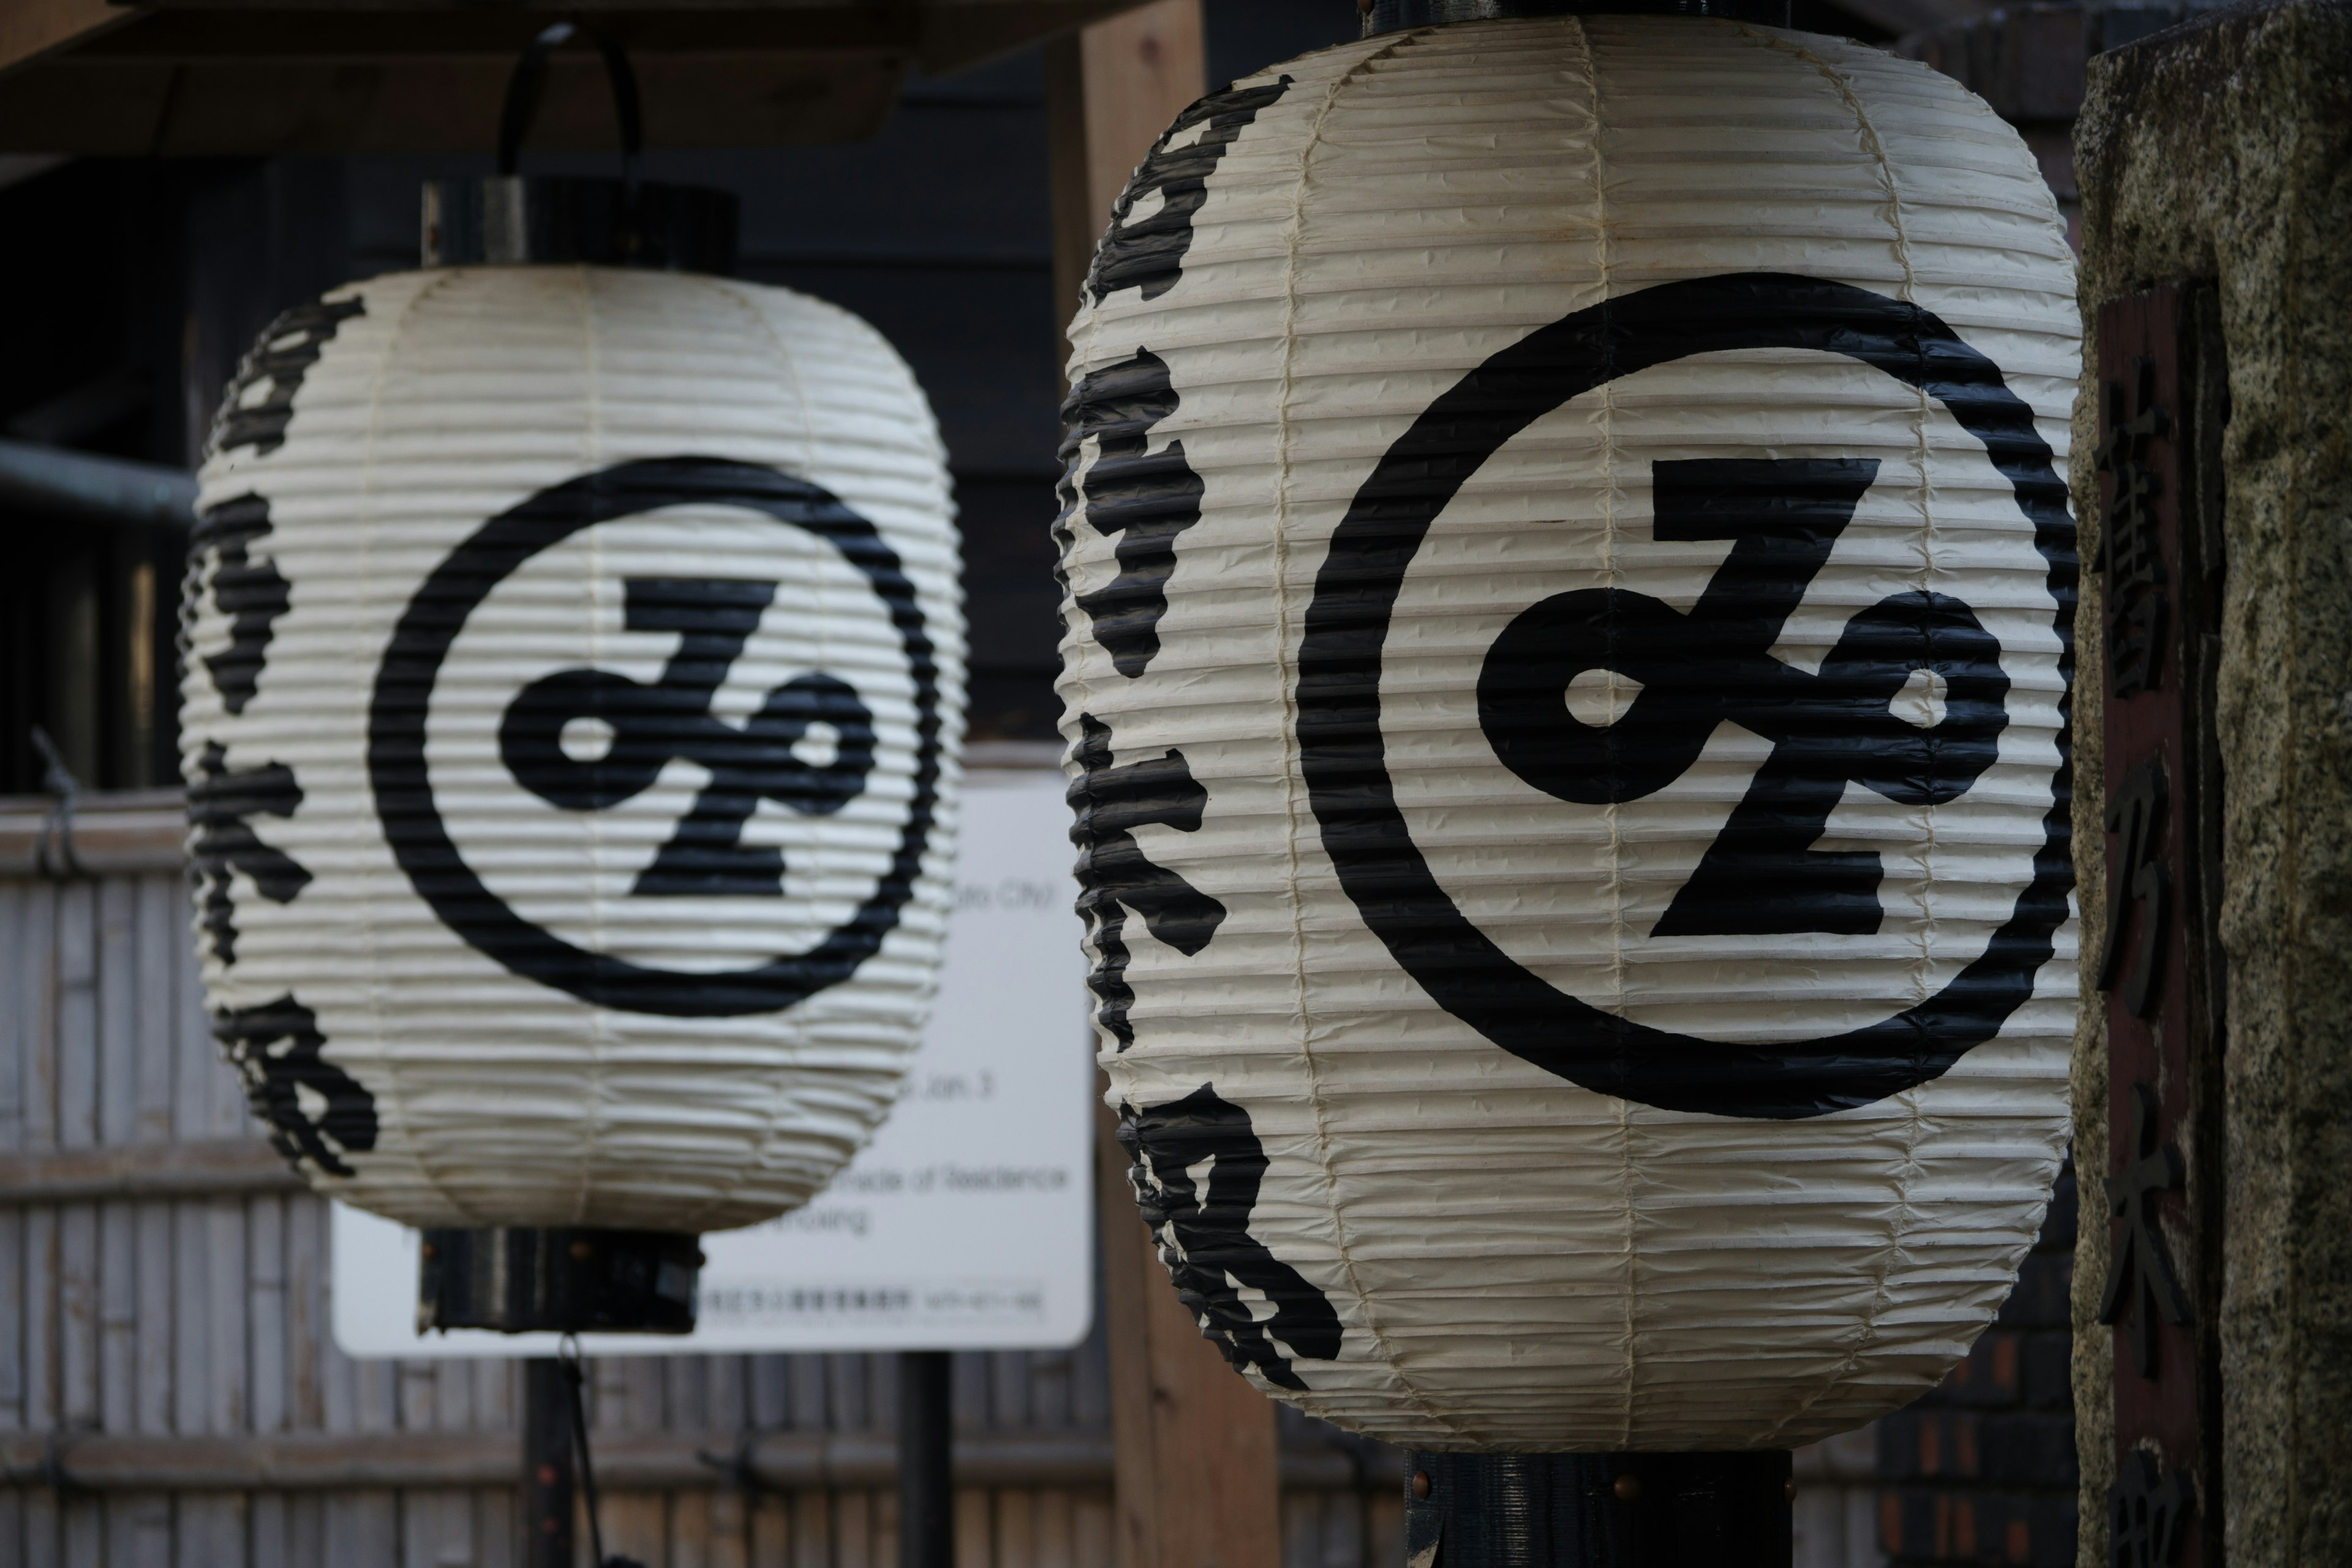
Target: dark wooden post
<point>1111,91</point>
<point>1197,1481</point>
<point>547,1467</point>
<point>1197,1466</point>
<point>926,1459</point>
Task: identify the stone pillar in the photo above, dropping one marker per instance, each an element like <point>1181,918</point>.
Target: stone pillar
<point>2215,166</point>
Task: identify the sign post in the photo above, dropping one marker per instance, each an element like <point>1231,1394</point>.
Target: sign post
<point>926,1459</point>
<point>2160,963</point>
<point>548,1479</point>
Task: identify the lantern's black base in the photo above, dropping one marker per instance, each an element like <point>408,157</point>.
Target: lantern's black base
<point>1394,15</point>
<point>559,1281</point>
<point>1597,1511</point>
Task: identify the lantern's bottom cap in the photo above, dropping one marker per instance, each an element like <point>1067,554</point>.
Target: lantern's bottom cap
<point>520,1280</point>
<point>1521,1511</point>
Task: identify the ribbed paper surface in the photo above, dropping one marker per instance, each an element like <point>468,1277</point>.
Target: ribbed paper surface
<point>575,684</point>
<point>1548,502</point>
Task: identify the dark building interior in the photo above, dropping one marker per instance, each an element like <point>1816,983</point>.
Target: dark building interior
<point>144,280</point>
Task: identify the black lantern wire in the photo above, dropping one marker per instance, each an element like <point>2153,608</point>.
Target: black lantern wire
<point>567,1356</point>
<point>57,826</point>
<point>529,81</point>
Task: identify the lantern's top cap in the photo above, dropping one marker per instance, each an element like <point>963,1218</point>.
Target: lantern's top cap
<point>1395,16</point>
<point>516,220</point>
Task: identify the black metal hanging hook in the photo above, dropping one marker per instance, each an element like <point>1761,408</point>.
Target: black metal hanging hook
<point>530,80</point>
<point>508,219</point>
<point>57,826</point>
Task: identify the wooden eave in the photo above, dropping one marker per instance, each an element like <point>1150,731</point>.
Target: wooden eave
<point>214,78</point>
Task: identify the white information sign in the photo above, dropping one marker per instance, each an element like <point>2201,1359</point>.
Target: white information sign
<point>966,1224</point>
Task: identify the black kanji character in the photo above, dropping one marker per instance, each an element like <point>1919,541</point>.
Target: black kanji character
<point>1109,802</point>
<point>2140,1281</point>
<point>2147,1513</point>
<point>1147,252</point>
<point>219,801</point>
<point>251,593</point>
<point>251,416</point>
<point>1200,1217</point>
<point>315,1111</point>
<point>2131,545</point>
<point>1146,498</point>
<point>2138,878</point>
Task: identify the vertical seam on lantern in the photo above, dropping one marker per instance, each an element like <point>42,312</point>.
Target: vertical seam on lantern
<point>1629,1291</point>
<point>598,1025</point>
<point>1286,677</point>
<point>1900,1226</point>
<point>739,294</point>
<point>1922,976</point>
<point>1608,493</point>
<point>390,1060</point>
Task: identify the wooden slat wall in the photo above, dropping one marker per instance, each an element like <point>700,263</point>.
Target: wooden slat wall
<point>1345,1527</point>
<point>1836,1523</point>
<point>206,1315</point>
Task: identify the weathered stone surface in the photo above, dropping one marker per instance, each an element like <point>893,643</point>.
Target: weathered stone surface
<point>2223,150</point>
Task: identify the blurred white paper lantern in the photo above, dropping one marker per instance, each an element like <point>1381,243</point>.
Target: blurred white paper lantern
<point>571,723</point>
<point>1566,660</point>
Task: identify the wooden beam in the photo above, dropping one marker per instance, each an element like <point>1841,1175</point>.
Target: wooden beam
<point>1198,1471</point>
<point>1195,1458</point>
<point>201,78</point>
<point>32,29</point>
<point>782,1461</point>
<point>956,36</point>
<point>1111,91</point>
<point>135,107</point>
<point>207,1167</point>
<point>181,37</point>
<point>115,832</point>
<point>1075,224</point>
<point>1141,70</point>
<point>795,1461</point>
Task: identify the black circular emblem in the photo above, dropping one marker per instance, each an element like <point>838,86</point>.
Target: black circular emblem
<point>650,724</point>
<point>1826,728</point>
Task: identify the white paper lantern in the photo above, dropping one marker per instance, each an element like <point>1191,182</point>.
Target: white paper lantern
<point>1566,653</point>
<point>575,681</point>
